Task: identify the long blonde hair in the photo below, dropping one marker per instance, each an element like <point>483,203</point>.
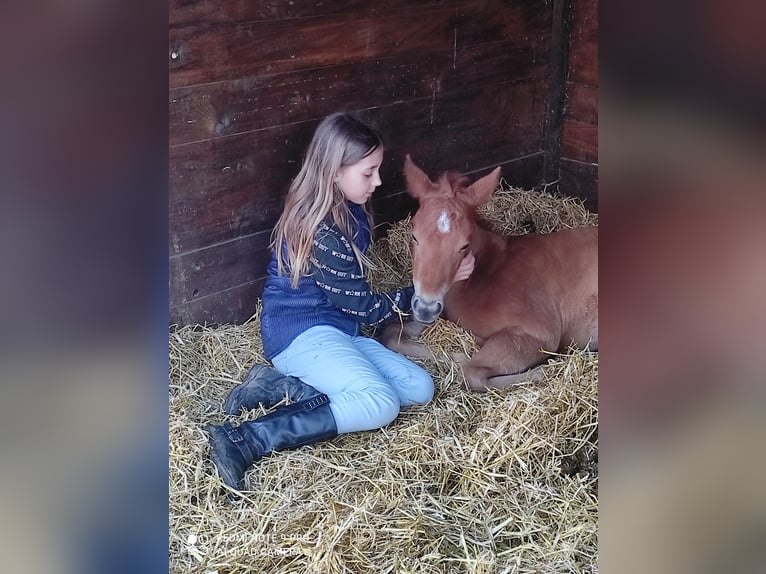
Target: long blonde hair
<point>340,140</point>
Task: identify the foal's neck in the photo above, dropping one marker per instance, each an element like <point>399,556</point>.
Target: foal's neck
<point>486,243</point>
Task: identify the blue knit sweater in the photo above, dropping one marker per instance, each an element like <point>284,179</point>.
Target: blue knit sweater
<point>335,292</point>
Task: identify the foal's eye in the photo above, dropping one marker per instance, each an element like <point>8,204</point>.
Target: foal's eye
<point>465,247</point>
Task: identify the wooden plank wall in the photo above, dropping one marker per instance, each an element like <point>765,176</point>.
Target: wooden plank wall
<point>578,166</point>
<point>458,84</point>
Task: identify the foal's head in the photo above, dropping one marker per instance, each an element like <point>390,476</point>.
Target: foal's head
<point>442,230</point>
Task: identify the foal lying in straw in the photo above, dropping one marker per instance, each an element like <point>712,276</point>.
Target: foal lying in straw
<point>528,295</point>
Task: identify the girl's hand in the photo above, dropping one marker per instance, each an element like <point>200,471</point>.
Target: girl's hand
<point>466,268</point>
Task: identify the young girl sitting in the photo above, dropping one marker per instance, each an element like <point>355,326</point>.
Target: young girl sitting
<point>315,298</point>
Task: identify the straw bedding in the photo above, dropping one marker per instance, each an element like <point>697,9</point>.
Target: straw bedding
<point>475,483</point>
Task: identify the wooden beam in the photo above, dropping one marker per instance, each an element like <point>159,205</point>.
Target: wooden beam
<point>554,108</point>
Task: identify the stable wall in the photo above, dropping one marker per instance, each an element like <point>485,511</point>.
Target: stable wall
<point>578,165</point>
<point>460,85</point>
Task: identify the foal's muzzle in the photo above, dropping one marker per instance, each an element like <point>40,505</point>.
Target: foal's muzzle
<point>426,311</point>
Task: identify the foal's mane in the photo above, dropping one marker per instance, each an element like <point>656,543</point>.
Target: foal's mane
<point>453,182</point>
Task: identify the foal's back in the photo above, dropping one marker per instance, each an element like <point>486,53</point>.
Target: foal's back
<point>541,283</point>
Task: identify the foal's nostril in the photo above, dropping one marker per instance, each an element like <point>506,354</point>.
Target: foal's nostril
<point>416,303</point>
<point>426,311</point>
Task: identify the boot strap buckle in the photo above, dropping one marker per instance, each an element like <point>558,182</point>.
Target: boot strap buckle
<point>317,401</point>
<point>233,434</point>
<point>239,441</point>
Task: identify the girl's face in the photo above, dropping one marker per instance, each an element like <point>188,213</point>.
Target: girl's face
<point>359,180</point>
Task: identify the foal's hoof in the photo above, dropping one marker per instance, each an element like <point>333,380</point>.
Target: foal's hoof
<point>477,386</point>
<point>459,357</point>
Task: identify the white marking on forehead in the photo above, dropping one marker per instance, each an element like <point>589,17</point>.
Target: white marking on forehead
<point>443,224</point>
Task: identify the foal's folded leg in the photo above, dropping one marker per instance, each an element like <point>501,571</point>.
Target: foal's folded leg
<point>403,338</point>
<point>507,358</point>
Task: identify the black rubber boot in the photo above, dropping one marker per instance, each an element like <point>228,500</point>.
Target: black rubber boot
<point>234,449</point>
<point>268,387</point>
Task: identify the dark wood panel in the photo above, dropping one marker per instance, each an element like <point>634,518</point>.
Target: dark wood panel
<point>205,13</point>
<point>200,55</point>
<point>235,305</point>
<point>202,12</point>
<point>583,50</point>
<point>227,108</point>
<point>205,53</point>
<point>498,62</point>
<point>581,103</point>
<point>579,141</point>
<point>206,271</point>
<point>580,179</point>
<point>223,188</point>
<point>480,21</point>
<point>465,131</point>
<point>525,172</point>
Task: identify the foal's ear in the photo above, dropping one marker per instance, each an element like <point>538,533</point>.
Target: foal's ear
<point>418,183</point>
<point>479,192</point>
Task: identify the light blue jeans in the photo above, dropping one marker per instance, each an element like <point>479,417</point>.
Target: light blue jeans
<point>366,382</point>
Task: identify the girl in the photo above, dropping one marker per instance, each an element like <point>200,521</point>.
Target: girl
<point>314,301</point>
